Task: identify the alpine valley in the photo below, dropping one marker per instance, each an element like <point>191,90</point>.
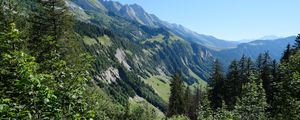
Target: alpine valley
<point>135,54</point>
<point>133,47</point>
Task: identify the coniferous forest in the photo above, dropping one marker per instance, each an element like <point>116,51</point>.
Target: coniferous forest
<point>61,62</point>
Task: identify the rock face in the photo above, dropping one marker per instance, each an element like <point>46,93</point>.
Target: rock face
<point>121,56</point>
<point>109,76</point>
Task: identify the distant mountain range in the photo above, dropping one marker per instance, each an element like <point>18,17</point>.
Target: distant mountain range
<point>137,13</point>
<point>252,49</point>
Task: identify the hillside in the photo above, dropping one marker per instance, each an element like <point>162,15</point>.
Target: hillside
<point>251,49</point>
<point>131,45</point>
<point>100,59</point>
<point>129,53</point>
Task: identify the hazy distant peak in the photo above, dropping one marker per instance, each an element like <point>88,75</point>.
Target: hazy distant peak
<point>269,37</point>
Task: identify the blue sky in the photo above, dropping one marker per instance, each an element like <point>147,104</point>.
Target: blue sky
<point>229,19</point>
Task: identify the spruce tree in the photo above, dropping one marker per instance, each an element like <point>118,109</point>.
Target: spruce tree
<point>252,103</point>
<point>286,104</point>
<point>204,111</point>
<point>265,69</point>
<point>286,53</point>
<point>233,84</point>
<point>244,69</point>
<point>216,84</point>
<point>297,44</point>
<point>176,101</point>
<point>51,40</point>
<point>187,101</point>
<point>195,103</point>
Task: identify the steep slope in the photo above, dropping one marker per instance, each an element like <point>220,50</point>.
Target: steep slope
<point>137,13</point>
<point>128,53</point>
<point>136,53</point>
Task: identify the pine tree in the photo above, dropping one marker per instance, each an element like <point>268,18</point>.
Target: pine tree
<point>216,83</point>
<point>250,67</point>
<point>265,69</point>
<point>51,41</point>
<point>187,101</point>
<point>233,84</point>
<point>204,111</point>
<point>297,44</point>
<point>286,53</point>
<point>23,94</point>
<point>286,104</point>
<point>244,69</point>
<point>252,103</point>
<point>176,101</point>
<point>195,103</point>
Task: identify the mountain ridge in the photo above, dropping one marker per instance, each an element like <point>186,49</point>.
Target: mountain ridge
<point>134,57</point>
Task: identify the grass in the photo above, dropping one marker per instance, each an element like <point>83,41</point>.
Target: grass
<point>157,38</point>
<point>174,37</point>
<point>89,41</point>
<point>194,75</point>
<point>135,103</point>
<point>105,40</point>
<point>161,84</point>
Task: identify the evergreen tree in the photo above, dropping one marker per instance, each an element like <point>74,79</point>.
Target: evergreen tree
<point>297,44</point>
<point>265,73</point>
<point>51,41</point>
<point>250,67</point>
<point>23,94</point>
<point>233,84</point>
<point>286,53</point>
<point>176,101</point>
<point>187,101</point>
<point>286,103</point>
<point>195,103</point>
<point>216,84</point>
<point>252,103</point>
<point>245,67</point>
<point>223,113</point>
<point>204,111</point>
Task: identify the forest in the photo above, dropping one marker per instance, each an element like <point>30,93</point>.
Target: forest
<point>47,72</point>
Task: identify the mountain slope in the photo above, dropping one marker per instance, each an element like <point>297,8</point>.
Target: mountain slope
<point>136,53</point>
<point>137,13</point>
<point>128,53</point>
<point>252,49</point>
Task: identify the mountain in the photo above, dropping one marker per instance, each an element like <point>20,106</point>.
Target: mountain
<point>133,59</point>
<point>136,53</point>
<point>252,49</point>
<point>137,13</point>
<point>269,37</point>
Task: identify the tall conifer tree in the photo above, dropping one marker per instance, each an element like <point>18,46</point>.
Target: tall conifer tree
<point>176,100</point>
<point>216,84</point>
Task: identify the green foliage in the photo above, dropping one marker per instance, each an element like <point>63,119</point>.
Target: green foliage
<point>142,111</point>
<point>100,105</point>
<point>176,100</point>
<point>217,85</point>
<point>252,103</point>
<point>161,85</point>
<point>286,103</point>
<point>223,114</point>
<point>23,93</point>
<point>204,111</point>
<point>233,85</point>
<point>178,117</point>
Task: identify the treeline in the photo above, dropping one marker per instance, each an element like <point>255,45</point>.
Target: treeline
<point>250,90</point>
<point>45,73</point>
